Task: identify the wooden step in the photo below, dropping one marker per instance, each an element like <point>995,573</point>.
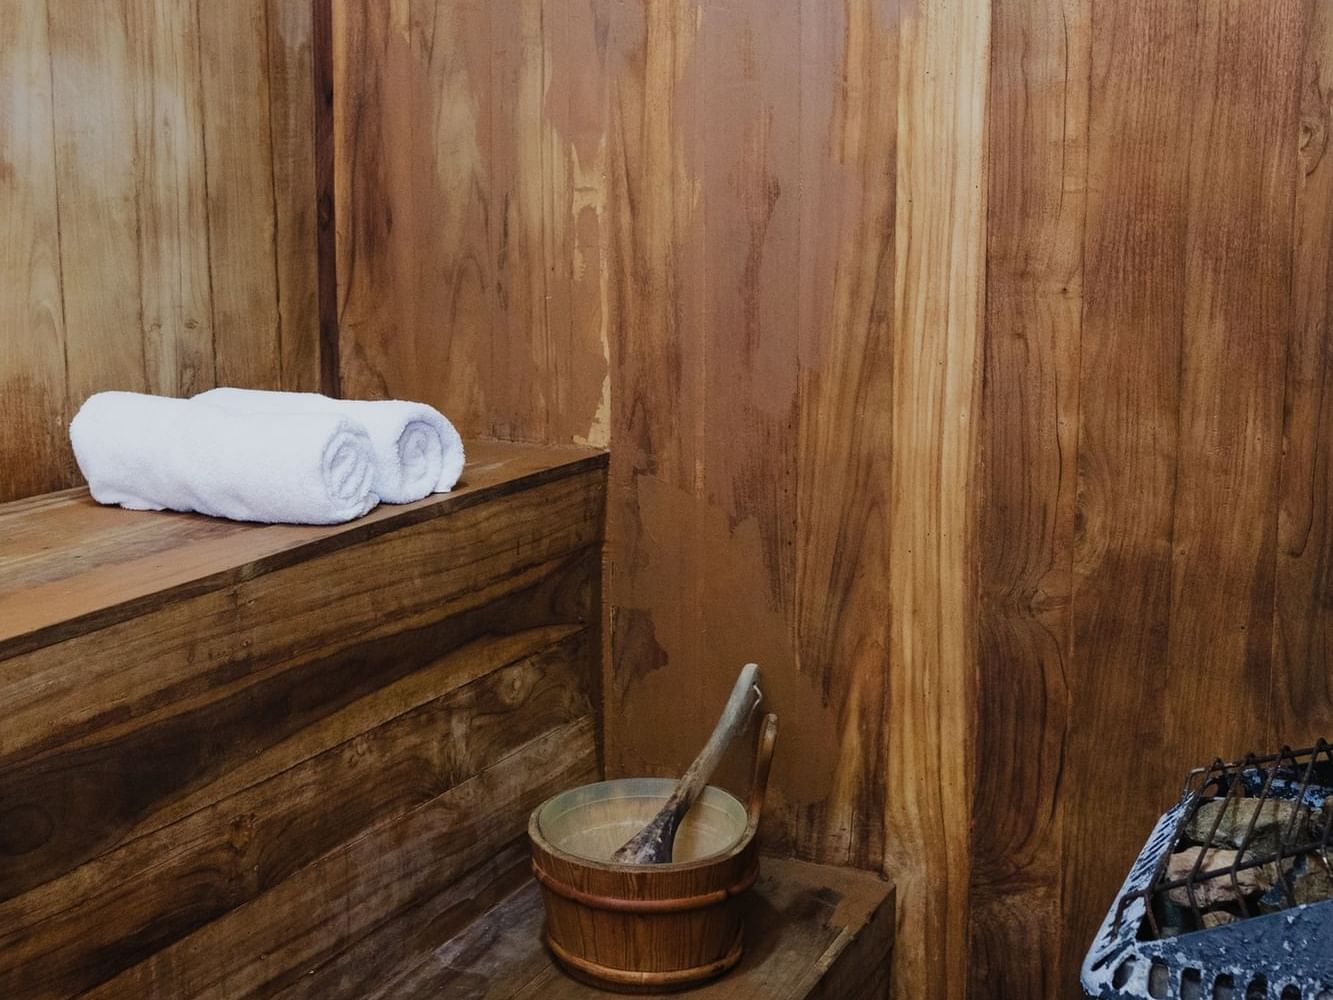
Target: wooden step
<point>813,932</point>
<point>229,752</point>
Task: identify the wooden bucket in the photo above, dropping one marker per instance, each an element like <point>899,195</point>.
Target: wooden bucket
<point>647,928</point>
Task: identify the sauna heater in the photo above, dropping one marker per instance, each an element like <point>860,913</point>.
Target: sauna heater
<point>1230,897</point>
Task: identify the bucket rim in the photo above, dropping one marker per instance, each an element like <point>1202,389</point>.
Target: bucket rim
<point>731,851</point>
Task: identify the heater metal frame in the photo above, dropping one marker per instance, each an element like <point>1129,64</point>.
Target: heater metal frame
<point>1291,949</point>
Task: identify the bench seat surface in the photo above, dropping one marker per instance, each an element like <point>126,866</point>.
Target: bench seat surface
<point>70,565</point>
<point>813,932</point>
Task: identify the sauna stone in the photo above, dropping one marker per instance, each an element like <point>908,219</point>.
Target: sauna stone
<point>1274,815</point>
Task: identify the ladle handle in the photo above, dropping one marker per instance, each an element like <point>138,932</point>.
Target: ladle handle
<point>763,762</point>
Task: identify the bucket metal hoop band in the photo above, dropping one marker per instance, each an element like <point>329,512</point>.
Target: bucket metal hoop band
<point>624,977</point>
<point>699,902</point>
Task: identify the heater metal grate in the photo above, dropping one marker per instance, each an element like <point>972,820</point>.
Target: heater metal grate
<point>1221,901</point>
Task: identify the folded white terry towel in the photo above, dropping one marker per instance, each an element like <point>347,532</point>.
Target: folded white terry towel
<point>156,453</point>
<point>417,451</point>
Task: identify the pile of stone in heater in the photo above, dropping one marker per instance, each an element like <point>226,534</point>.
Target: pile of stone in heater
<point>1231,897</point>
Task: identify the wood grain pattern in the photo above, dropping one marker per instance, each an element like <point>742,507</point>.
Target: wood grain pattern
<point>176,302</point>
<point>816,933</point>
<point>1302,694</point>
<point>289,729</point>
<point>465,260</point>
<point>325,908</point>
<point>34,452</point>
<point>936,391</point>
<point>949,350</point>
<point>1028,426</point>
<point>160,211</point>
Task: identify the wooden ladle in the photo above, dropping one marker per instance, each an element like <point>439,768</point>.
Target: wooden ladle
<point>653,844</point>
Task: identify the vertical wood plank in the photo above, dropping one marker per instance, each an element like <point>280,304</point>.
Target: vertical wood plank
<point>845,258</point>
<point>939,253</point>
<point>1302,690</point>
<point>1141,104</point>
<point>1236,313</point>
<point>1037,156</point>
<point>175,297</point>
<point>238,146</point>
<point>291,108</point>
<point>93,79</point>
<point>326,244</point>
<point>518,170</point>
<point>656,355</point>
<point>34,452</point>
<point>577,243</point>
<point>364,203</point>
<point>417,275</point>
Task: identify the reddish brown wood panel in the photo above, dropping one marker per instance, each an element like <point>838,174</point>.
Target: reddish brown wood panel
<point>158,198</point>
<point>469,141</point>
<point>733,266</point>
<point>988,413</point>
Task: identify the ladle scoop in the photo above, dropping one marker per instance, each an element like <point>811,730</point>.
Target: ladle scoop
<point>653,844</point>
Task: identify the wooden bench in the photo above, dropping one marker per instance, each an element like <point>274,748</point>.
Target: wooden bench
<point>813,933</point>
<point>230,752</point>
<point>242,762</point>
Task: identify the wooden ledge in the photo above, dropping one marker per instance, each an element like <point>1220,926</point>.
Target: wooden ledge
<point>69,565</point>
<point>813,932</point>
<point>231,751</point>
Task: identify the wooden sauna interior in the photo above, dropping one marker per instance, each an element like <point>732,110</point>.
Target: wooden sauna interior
<point>965,363</point>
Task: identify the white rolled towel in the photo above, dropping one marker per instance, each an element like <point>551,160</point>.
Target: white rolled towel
<point>157,453</point>
<point>417,450</point>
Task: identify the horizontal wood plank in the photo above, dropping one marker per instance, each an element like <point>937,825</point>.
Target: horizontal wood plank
<point>266,946</point>
<point>69,565</point>
<point>75,931</point>
<point>163,704</point>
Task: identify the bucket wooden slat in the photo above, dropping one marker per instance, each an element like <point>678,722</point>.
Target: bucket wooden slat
<point>647,928</point>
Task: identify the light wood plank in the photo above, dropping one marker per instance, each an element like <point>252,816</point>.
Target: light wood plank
<point>34,452</point>
<point>939,296</point>
<point>847,327</point>
<point>242,201</point>
<point>93,77</point>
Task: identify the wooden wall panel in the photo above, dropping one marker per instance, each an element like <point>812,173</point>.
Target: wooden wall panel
<point>967,368</point>
<point>34,454</point>
<point>656,191</point>
<point>1134,291</point>
<point>1142,365</point>
<point>1028,467</point>
<point>160,194</point>
<point>469,139</point>
<point>1302,692</point>
<point>94,101</point>
<point>940,257</point>
<point>177,319</point>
